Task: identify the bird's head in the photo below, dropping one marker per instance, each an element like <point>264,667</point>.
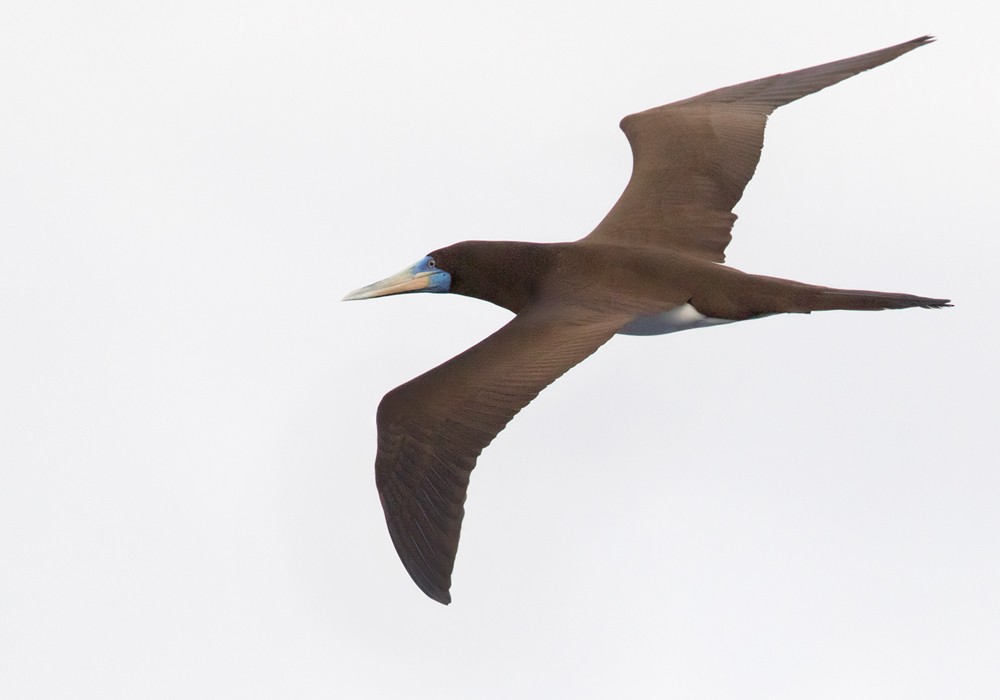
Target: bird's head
<point>505,273</point>
<point>423,276</point>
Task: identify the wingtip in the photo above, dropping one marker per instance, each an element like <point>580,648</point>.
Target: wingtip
<point>908,46</point>
<point>440,596</point>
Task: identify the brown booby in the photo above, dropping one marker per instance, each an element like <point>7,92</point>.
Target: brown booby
<point>652,266</point>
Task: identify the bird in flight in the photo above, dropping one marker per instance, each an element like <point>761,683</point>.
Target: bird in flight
<point>652,266</point>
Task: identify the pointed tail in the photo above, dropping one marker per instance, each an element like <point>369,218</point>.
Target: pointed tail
<point>774,295</point>
<point>826,299</point>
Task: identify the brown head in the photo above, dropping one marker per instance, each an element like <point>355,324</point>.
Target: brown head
<point>505,273</point>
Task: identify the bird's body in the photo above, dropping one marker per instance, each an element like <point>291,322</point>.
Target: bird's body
<point>644,281</point>
<point>652,266</point>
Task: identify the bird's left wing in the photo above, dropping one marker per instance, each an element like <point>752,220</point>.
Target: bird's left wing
<point>432,429</point>
<point>693,158</point>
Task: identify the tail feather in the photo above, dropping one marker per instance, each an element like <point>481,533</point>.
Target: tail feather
<point>750,296</point>
<point>825,299</point>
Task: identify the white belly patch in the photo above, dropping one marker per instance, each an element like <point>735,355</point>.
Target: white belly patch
<point>679,318</point>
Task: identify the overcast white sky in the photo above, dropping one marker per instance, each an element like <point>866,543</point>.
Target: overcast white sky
<point>796,507</point>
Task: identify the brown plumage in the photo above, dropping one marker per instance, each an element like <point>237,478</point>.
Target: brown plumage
<point>651,266</point>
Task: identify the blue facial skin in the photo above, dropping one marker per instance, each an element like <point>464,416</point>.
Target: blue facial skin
<point>439,280</point>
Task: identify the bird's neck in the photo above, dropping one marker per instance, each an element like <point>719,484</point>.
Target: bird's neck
<point>507,273</point>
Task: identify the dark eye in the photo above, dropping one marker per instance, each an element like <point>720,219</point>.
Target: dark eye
<point>431,263</point>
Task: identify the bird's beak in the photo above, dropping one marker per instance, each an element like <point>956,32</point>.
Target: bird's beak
<point>416,278</point>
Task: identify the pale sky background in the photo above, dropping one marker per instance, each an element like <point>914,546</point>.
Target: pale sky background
<point>797,507</point>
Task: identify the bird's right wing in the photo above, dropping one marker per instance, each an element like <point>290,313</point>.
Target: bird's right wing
<point>432,429</point>
<point>692,159</point>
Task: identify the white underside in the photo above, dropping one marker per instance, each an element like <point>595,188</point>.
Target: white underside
<point>679,318</point>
